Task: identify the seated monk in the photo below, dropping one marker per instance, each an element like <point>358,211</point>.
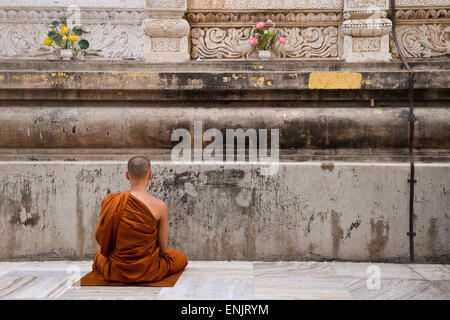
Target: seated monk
<point>132,233</point>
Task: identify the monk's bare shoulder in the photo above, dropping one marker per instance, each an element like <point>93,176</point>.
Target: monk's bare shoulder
<point>157,206</point>
<point>162,207</point>
<point>159,203</point>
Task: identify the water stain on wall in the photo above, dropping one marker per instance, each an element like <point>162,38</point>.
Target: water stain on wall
<point>20,216</point>
<point>250,250</point>
<point>336,233</point>
<point>26,196</point>
<point>21,211</point>
<point>228,249</point>
<point>432,236</point>
<point>327,166</point>
<point>212,249</point>
<point>380,237</point>
<point>80,226</point>
<point>84,188</point>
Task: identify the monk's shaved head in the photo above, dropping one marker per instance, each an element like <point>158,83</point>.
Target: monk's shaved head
<point>138,167</point>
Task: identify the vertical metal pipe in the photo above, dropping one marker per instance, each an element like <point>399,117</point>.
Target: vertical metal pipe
<point>412,179</point>
<point>411,119</point>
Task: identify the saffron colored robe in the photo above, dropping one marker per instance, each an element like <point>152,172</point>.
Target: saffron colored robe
<point>127,233</point>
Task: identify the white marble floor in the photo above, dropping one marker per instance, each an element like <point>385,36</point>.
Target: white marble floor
<point>238,280</point>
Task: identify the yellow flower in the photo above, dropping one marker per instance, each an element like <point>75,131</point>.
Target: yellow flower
<point>65,38</point>
<point>64,30</point>
<point>73,37</point>
<point>48,41</point>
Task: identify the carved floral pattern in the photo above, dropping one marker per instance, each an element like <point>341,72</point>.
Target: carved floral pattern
<point>410,14</point>
<point>86,15</point>
<point>312,42</point>
<point>166,27</point>
<point>217,43</point>
<point>422,41</point>
<point>232,43</point>
<point>359,4</point>
<point>418,3</point>
<point>366,44</point>
<point>166,4</point>
<point>115,41</point>
<point>223,31</point>
<point>250,18</point>
<point>85,3</point>
<point>265,4</point>
<point>111,33</point>
<point>165,45</point>
<point>22,40</point>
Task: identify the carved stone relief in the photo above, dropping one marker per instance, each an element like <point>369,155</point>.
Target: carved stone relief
<point>422,41</point>
<point>232,43</point>
<point>366,31</point>
<point>264,4</point>
<point>420,3</point>
<point>166,32</point>
<point>117,4</point>
<point>166,4</point>
<point>111,33</point>
<point>220,28</point>
<point>422,32</point>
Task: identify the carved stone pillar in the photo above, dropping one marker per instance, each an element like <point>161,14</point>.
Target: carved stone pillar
<point>366,31</point>
<point>166,32</point>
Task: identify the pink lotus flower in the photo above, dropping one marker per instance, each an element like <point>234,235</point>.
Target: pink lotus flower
<point>282,40</point>
<point>260,25</point>
<point>269,21</point>
<point>253,41</point>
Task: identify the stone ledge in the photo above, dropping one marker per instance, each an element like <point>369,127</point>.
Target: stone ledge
<point>127,83</point>
<point>285,155</point>
<point>8,64</point>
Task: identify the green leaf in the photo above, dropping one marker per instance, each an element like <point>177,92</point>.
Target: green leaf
<point>272,42</point>
<point>84,44</point>
<point>53,35</point>
<point>77,31</point>
<point>54,24</point>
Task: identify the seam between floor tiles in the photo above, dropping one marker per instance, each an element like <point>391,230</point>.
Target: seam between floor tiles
<point>415,271</point>
<point>332,264</point>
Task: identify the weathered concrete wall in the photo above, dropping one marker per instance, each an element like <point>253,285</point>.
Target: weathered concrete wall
<point>80,114</point>
<point>151,125</point>
<point>308,211</point>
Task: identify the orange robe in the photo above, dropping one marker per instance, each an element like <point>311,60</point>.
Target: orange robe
<point>127,233</point>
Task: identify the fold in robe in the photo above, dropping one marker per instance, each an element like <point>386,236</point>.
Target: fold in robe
<point>127,233</point>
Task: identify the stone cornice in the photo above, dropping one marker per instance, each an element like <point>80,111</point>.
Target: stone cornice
<point>422,16</point>
<point>265,4</point>
<point>82,3</point>
<point>421,3</point>
<point>88,14</point>
<point>249,18</point>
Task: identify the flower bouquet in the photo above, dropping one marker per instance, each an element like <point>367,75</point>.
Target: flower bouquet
<point>264,38</point>
<point>64,39</point>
